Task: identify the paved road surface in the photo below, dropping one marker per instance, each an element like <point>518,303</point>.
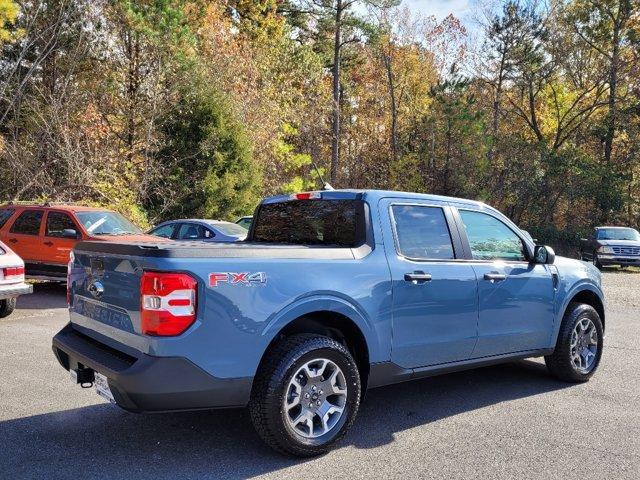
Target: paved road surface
<point>505,422</point>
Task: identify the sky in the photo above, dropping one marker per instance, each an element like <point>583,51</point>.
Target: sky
<point>441,8</point>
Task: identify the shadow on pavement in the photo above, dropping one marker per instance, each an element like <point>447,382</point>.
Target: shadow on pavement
<point>45,295</point>
<point>102,441</point>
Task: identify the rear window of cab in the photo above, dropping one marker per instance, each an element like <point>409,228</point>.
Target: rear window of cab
<point>330,223</point>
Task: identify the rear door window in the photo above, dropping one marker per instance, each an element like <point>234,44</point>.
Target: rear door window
<point>28,223</point>
<point>5,215</point>
<point>332,223</point>
<point>422,232</point>
<point>191,231</point>
<point>165,231</point>
<point>57,223</point>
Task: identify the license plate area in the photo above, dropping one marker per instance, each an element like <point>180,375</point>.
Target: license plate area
<point>102,387</point>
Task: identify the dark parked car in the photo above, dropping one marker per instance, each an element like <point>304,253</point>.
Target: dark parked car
<point>206,230</point>
<point>611,246</point>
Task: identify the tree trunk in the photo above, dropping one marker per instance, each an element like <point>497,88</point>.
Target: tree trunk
<point>394,105</point>
<point>335,139</point>
<point>496,111</point>
<point>613,92</point>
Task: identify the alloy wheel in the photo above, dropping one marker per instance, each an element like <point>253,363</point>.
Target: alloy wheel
<point>584,346</point>
<point>315,398</point>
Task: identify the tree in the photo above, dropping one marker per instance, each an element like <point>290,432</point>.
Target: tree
<point>8,14</point>
<point>205,166</point>
<point>606,26</point>
<point>338,17</point>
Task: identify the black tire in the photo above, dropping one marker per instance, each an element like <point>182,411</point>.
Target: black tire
<point>7,307</point>
<point>270,385</point>
<point>559,362</point>
<point>595,260</point>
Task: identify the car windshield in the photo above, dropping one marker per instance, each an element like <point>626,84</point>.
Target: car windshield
<point>230,229</point>
<point>618,234</point>
<point>106,223</point>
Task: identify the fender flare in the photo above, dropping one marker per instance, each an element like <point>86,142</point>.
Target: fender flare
<point>327,302</point>
<point>575,290</point>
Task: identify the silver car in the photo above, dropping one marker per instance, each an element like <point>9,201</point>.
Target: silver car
<point>12,283</point>
<point>199,229</point>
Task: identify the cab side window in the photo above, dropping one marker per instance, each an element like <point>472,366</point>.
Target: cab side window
<point>57,223</point>
<point>490,239</point>
<point>5,215</point>
<point>165,231</point>
<point>28,223</point>
<point>422,232</point>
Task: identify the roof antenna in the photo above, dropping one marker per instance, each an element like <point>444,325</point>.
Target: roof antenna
<point>325,185</point>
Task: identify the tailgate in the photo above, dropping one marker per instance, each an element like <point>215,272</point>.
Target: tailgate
<point>104,298</point>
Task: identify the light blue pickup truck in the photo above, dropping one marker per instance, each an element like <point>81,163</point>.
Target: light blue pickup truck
<point>333,292</point>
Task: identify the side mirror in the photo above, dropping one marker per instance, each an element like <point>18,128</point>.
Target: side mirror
<point>544,255</point>
<point>69,233</point>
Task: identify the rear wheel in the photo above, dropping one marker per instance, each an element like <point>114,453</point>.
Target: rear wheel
<point>7,307</point>
<point>579,345</point>
<point>306,395</point>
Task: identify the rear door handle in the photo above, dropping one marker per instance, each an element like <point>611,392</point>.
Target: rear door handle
<point>495,277</point>
<point>49,244</point>
<point>13,240</point>
<point>417,277</point>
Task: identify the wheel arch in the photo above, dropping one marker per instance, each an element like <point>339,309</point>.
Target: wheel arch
<point>343,325</point>
<point>589,297</point>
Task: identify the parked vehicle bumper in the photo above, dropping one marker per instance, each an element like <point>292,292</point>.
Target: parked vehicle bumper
<point>147,383</point>
<point>618,260</point>
<point>10,291</point>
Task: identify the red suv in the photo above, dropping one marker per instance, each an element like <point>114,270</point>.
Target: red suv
<point>44,235</point>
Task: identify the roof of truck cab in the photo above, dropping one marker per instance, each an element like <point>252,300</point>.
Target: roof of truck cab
<point>373,195</point>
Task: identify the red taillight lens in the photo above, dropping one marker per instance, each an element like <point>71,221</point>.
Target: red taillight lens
<point>167,303</point>
<point>305,196</point>
<point>13,273</point>
<point>69,270</point>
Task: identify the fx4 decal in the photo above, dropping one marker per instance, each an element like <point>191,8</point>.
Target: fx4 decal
<point>237,278</point>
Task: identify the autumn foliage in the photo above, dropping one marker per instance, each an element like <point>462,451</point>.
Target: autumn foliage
<point>178,108</point>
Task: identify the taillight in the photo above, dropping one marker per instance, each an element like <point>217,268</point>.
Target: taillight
<point>69,269</point>
<point>305,196</point>
<point>167,303</point>
<point>13,273</point>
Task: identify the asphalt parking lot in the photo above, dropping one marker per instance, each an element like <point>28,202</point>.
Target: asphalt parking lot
<point>510,421</point>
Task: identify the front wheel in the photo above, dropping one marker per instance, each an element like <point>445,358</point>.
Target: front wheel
<point>579,346</point>
<point>7,307</point>
<point>596,261</point>
<point>306,395</point>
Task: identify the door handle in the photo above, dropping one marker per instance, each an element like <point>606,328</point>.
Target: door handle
<point>495,277</point>
<point>13,240</point>
<point>49,244</point>
<point>417,277</point>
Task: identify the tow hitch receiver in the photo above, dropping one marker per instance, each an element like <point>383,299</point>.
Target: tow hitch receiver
<point>83,376</point>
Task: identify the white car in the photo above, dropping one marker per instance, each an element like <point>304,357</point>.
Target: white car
<point>11,280</point>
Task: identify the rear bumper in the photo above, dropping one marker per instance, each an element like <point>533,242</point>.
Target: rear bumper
<point>618,260</point>
<point>147,383</point>
<point>10,291</point>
